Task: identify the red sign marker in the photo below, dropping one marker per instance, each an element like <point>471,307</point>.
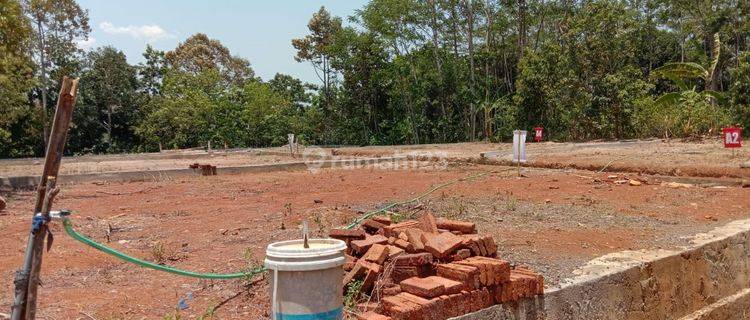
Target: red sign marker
<point>538,134</point>
<point>732,137</point>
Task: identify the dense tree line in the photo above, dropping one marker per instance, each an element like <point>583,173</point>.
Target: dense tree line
<point>398,71</point>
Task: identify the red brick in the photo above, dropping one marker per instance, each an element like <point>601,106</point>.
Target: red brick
<point>462,254</point>
<point>391,290</point>
<point>350,262</point>
<point>372,316</point>
<point>467,275</point>
<point>400,308</point>
<point>450,286</point>
<point>423,287</point>
<point>377,254</point>
<point>404,272</point>
<point>357,272</point>
<point>345,234</point>
<point>414,236</point>
<point>490,245</point>
<point>492,271</point>
<point>394,229</point>
<point>394,251</point>
<point>428,223</point>
<point>404,244</point>
<point>415,259</point>
<point>442,245</point>
<point>428,307</point>
<point>501,268</point>
<point>371,276</point>
<point>372,226</point>
<point>369,306</point>
<point>360,270</point>
<point>361,246</point>
<point>537,282</point>
<point>382,219</point>
<point>455,225</point>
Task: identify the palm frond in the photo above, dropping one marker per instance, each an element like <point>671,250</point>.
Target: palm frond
<point>720,97</point>
<point>669,99</point>
<point>678,72</point>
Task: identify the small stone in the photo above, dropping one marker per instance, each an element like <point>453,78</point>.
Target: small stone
<point>634,183</point>
<point>2,203</point>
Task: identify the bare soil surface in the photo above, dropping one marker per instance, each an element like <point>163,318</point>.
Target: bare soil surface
<point>552,220</point>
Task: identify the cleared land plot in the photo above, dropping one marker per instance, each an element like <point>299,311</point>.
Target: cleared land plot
<point>552,220</point>
<point>138,162</point>
<point>704,159</point>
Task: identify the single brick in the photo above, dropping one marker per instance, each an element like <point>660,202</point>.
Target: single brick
<point>346,234</point>
<point>426,308</point>
<point>361,246</point>
<point>372,226</point>
<point>404,272</point>
<point>394,251</point>
<point>377,253</point>
<point>394,229</point>
<point>372,316</point>
<point>490,245</point>
<point>399,308</point>
<point>450,286</point>
<point>360,270</point>
<point>414,236</point>
<point>423,287</point>
<point>391,290</point>
<point>442,245</point>
<point>428,223</point>
<point>349,262</point>
<point>455,225</point>
<point>371,276</point>
<point>382,219</point>
<point>403,244</point>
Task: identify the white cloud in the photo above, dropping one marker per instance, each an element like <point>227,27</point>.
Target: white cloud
<point>85,44</point>
<point>149,32</point>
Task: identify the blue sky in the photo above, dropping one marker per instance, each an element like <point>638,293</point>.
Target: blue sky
<point>260,31</point>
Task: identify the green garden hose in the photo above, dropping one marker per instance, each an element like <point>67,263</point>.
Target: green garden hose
<point>83,239</point>
<point>224,276</point>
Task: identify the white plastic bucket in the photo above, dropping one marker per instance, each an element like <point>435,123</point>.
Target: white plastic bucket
<point>306,283</point>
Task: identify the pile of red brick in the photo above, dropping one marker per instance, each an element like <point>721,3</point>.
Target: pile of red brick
<point>429,269</point>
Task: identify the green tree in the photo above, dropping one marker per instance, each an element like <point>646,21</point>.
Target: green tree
<point>293,89</point>
<point>57,24</point>
<point>739,91</point>
<point>198,54</point>
<point>17,136</point>
<point>315,48</point>
<point>108,104</point>
<point>152,71</point>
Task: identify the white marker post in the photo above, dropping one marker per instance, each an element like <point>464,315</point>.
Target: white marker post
<point>290,137</point>
<point>519,148</point>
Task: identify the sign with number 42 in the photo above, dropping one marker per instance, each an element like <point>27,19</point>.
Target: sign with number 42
<point>732,137</point>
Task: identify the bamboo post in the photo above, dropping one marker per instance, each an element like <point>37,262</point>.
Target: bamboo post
<point>27,279</point>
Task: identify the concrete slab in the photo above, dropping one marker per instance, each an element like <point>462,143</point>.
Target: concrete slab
<point>656,284</point>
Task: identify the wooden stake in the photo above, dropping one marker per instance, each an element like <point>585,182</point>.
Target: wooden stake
<point>27,279</point>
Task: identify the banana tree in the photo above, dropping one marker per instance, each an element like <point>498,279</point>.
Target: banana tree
<point>684,76</point>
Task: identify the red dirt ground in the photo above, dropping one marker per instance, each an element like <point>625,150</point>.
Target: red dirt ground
<point>208,224</point>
